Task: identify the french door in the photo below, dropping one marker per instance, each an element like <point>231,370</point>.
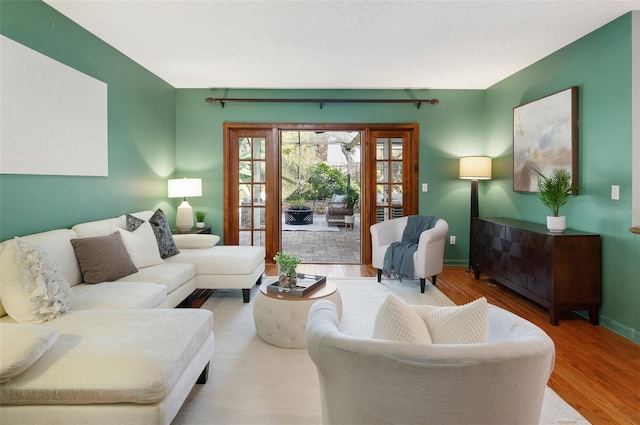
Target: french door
<point>252,176</point>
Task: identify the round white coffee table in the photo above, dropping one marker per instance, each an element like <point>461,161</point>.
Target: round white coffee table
<point>281,320</point>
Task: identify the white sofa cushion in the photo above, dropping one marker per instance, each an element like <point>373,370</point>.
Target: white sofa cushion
<point>21,345</point>
<point>222,260</point>
<point>31,287</point>
<point>118,295</point>
<point>171,275</point>
<point>397,321</point>
<point>197,241</point>
<point>141,245</point>
<point>100,357</point>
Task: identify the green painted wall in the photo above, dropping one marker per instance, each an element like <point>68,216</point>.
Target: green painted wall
<point>141,127</point>
<point>447,131</point>
<point>600,65</point>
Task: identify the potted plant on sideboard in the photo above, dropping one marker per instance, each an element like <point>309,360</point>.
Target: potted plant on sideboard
<point>554,191</point>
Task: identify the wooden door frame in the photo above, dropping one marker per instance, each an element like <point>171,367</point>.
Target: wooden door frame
<point>273,162</point>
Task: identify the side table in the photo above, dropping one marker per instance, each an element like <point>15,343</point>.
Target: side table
<point>193,231</point>
<point>281,320</point>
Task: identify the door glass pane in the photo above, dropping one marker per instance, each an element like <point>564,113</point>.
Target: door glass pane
<point>259,172</point>
<point>259,194</point>
<point>245,218</point>
<point>244,171</point>
<point>382,148</point>
<point>244,147</point>
<point>396,172</point>
<point>396,148</point>
<point>258,218</point>
<point>258,148</point>
<point>381,172</point>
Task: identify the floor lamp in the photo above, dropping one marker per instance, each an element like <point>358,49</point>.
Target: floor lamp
<point>184,188</point>
<point>474,168</point>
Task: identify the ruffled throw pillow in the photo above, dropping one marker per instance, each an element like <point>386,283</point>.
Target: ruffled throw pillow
<point>31,286</point>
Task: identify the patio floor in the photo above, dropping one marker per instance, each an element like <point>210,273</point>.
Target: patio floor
<point>324,246</point>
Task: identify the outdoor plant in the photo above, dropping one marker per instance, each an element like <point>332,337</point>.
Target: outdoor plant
<point>200,215</point>
<point>352,197</point>
<point>554,191</point>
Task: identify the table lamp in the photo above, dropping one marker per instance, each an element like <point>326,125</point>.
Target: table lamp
<point>474,168</point>
<point>183,188</point>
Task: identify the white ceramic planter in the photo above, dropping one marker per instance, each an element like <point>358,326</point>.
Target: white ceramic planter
<point>557,224</point>
<point>200,224</point>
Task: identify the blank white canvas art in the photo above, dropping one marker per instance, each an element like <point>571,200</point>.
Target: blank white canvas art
<point>53,118</point>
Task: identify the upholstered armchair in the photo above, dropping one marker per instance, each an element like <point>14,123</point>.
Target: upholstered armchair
<point>375,381</point>
<point>428,258</point>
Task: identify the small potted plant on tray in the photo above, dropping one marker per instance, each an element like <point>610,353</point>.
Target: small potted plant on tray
<point>287,264</point>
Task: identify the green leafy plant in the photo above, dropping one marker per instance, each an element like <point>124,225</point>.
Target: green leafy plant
<point>554,191</point>
<point>200,215</point>
<point>352,197</point>
<point>287,263</point>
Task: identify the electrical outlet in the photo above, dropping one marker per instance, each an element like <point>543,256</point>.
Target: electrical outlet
<point>425,187</point>
<point>615,192</point>
<point>452,240</point>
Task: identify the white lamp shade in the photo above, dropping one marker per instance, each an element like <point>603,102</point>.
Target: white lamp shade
<point>475,167</point>
<point>183,188</point>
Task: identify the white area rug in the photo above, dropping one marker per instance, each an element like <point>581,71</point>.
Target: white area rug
<point>252,382</point>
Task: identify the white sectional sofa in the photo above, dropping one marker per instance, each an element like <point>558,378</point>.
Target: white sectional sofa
<point>120,354</point>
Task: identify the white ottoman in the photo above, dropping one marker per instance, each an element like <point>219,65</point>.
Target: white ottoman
<point>281,320</point>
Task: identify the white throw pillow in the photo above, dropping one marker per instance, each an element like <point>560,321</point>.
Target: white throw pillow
<point>397,321</point>
<point>21,345</point>
<point>31,287</point>
<point>141,245</point>
<point>464,324</point>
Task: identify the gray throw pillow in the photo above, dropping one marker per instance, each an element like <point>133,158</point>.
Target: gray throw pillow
<point>166,244</point>
<point>133,222</point>
<point>103,258</point>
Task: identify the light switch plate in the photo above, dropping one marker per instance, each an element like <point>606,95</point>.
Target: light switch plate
<point>425,187</point>
<point>615,192</point>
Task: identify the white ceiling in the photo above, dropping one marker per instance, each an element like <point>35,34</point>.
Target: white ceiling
<point>339,44</point>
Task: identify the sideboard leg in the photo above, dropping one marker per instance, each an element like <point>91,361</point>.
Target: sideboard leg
<point>594,314</point>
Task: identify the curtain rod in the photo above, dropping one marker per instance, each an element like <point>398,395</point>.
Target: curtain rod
<point>417,102</point>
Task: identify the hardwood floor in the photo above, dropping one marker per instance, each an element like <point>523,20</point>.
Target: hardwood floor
<point>596,371</point>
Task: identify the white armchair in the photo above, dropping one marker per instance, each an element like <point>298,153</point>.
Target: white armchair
<point>427,260</point>
<point>375,381</point>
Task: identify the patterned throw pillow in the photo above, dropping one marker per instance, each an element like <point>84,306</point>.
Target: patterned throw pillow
<point>166,244</point>
<point>133,222</point>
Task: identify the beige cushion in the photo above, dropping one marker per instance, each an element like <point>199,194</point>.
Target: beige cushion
<point>118,295</point>
<point>141,245</point>
<point>106,356</point>
<point>21,345</point>
<point>103,258</point>
<point>195,241</point>
<point>464,324</point>
<point>31,287</point>
<point>397,321</point>
<point>171,275</point>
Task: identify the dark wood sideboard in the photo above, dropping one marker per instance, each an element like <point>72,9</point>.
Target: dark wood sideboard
<point>560,271</point>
